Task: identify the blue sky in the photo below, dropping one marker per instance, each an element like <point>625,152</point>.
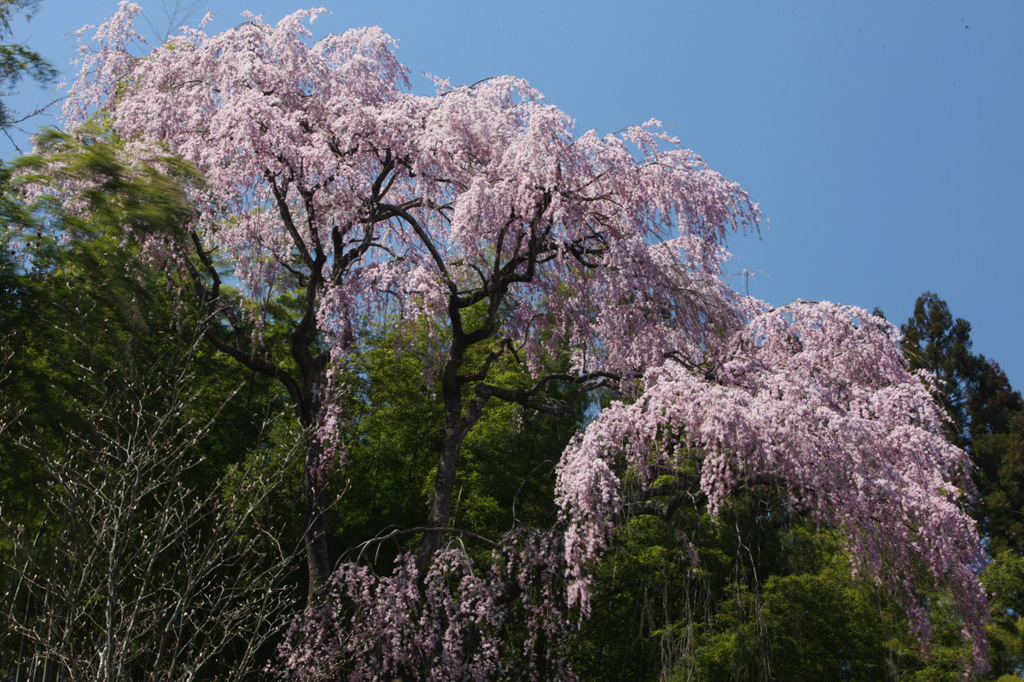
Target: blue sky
<point>883,140</point>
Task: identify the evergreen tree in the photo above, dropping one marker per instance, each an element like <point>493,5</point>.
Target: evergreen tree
<point>982,407</point>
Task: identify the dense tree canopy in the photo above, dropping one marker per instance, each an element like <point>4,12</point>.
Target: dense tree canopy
<point>337,231</point>
<point>329,185</point>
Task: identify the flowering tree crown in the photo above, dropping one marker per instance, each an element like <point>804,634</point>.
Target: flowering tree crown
<point>327,179</point>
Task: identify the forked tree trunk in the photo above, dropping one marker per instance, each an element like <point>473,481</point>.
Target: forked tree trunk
<point>459,419</point>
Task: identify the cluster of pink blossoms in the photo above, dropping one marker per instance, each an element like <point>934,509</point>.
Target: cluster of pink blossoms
<point>815,399</point>
<point>452,622</point>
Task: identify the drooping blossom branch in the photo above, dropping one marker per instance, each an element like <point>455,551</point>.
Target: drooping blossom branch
<point>817,399</point>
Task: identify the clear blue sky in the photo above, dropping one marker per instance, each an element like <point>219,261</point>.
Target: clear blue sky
<point>883,139</point>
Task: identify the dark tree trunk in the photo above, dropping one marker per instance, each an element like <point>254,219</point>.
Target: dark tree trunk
<point>444,480</point>
<point>459,418</point>
<point>313,370</point>
<point>315,532</point>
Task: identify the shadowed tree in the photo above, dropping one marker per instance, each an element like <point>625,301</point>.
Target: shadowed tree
<point>139,568</point>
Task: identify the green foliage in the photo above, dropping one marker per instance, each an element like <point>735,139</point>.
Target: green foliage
<point>507,470</point>
<point>91,347</point>
<point>934,341</point>
<point>977,396</point>
<point>769,598</point>
<point>77,307</point>
<point>999,458</point>
<point>139,569</point>
<point>91,182</point>
<point>1005,581</point>
<point>394,434</point>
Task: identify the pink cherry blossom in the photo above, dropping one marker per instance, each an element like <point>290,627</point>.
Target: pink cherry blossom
<point>817,400</point>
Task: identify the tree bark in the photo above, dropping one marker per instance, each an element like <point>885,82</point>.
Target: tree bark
<point>447,463</point>
<point>313,370</point>
<point>315,532</point>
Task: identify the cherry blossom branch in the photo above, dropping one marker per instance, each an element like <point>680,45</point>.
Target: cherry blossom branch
<point>361,548</point>
<point>525,396</point>
<point>286,217</point>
